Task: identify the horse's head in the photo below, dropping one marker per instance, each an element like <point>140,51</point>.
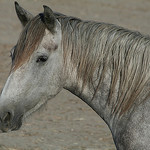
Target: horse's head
<point>37,67</point>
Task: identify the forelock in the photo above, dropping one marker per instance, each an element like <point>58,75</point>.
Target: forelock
<point>29,40</point>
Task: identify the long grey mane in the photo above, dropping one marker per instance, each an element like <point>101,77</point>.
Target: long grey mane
<point>106,48</point>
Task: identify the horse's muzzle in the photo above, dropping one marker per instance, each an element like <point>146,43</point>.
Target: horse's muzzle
<point>10,121</point>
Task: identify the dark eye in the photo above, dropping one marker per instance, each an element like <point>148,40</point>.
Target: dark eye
<point>42,59</point>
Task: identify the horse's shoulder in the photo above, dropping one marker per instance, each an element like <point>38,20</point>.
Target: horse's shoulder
<point>134,129</point>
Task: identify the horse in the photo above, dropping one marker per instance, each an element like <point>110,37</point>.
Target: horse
<point>105,65</point>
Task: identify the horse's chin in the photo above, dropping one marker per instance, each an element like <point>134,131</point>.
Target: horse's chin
<point>35,108</point>
<point>17,127</point>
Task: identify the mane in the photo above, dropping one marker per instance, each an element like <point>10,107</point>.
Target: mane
<point>106,48</point>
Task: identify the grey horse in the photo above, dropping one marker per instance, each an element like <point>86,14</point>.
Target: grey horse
<point>105,65</point>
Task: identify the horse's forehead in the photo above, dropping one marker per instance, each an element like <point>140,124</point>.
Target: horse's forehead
<point>48,36</point>
<point>48,41</point>
<point>51,41</point>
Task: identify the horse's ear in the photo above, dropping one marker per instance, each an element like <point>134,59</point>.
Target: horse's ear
<point>49,19</point>
<point>22,14</point>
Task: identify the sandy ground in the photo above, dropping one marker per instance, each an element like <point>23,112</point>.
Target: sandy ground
<point>66,123</point>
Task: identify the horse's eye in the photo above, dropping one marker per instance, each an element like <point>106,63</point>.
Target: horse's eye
<point>42,59</point>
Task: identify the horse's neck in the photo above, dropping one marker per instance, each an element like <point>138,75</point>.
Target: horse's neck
<point>118,126</point>
<point>97,102</point>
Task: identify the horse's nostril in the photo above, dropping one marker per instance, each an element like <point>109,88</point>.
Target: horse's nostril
<point>6,119</point>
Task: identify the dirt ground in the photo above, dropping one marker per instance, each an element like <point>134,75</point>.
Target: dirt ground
<point>66,123</point>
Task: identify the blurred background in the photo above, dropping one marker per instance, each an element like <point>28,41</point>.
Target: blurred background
<point>66,123</point>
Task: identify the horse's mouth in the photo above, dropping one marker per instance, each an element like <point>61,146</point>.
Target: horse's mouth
<point>14,128</point>
<point>12,125</point>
